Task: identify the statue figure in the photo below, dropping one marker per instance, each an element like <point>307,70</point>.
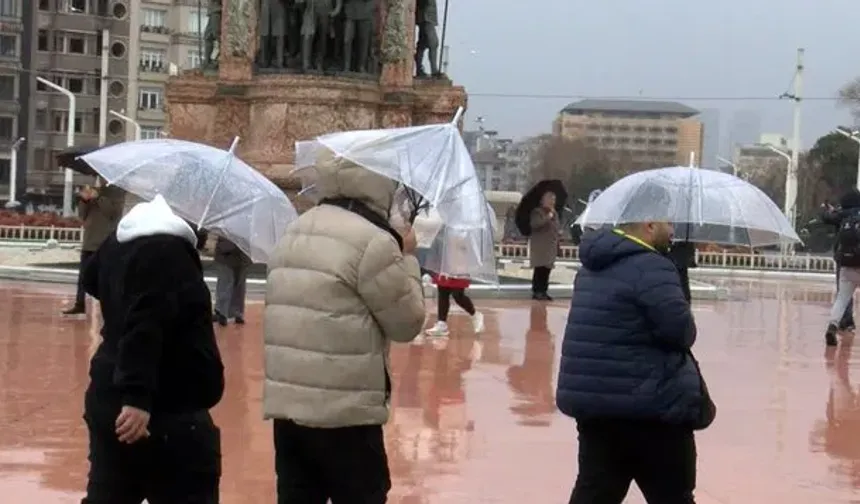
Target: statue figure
<point>426,18</point>
<point>357,33</point>
<point>272,32</point>
<point>212,35</point>
<point>316,26</point>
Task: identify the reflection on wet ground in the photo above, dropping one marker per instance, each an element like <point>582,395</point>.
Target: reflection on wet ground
<point>474,420</point>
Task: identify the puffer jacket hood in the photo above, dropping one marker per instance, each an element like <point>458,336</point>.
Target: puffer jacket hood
<point>602,248</point>
<point>340,178</point>
<point>152,218</point>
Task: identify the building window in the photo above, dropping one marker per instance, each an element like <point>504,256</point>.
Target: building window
<point>149,99</point>
<point>60,121</point>
<point>44,5</point>
<point>77,44</point>
<point>671,130</point>
<point>75,84</point>
<point>9,8</point>
<point>154,18</point>
<point>152,60</point>
<point>7,128</point>
<point>7,87</point>
<point>74,6</point>
<point>197,21</point>
<point>8,45</point>
<point>42,44</point>
<point>194,59</point>
<point>150,133</point>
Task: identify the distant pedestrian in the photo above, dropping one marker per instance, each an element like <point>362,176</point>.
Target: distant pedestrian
<point>543,245</point>
<point>230,288</point>
<point>157,371</point>
<point>100,209</point>
<point>847,257</point>
<point>446,289</point>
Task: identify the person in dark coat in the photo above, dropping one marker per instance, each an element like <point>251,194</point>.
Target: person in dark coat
<point>157,371</point>
<point>100,209</point>
<point>848,205</point>
<point>626,373</point>
<point>543,245</point>
<point>233,267</point>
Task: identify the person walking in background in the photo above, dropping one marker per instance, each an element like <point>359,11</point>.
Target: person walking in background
<point>849,205</point>
<point>342,285</point>
<point>543,245</point>
<point>100,209</point>
<point>230,287</point>
<point>683,254</point>
<point>157,371</point>
<point>447,288</point>
<point>627,373</point>
<point>847,257</point>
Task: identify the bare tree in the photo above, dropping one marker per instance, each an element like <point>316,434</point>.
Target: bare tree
<point>849,96</point>
<point>581,167</point>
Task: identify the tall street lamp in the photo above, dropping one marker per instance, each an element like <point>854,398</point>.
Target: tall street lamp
<point>70,141</point>
<point>789,204</point>
<point>137,128</point>
<point>853,135</point>
<point>13,174</point>
<point>721,159</point>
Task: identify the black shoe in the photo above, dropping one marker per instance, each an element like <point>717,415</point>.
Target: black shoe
<point>541,296</point>
<point>221,320</point>
<point>830,335</point>
<point>76,310</point>
<point>240,320</point>
<point>849,327</point>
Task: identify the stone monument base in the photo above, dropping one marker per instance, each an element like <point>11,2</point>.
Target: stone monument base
<point>270,112</point>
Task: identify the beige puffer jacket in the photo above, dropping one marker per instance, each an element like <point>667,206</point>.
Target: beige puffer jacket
<point>338,291</point>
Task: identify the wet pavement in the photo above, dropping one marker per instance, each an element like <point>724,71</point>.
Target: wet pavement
<point>474,421</point>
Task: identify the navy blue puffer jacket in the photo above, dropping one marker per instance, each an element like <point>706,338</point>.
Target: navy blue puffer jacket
<point>628,333</point>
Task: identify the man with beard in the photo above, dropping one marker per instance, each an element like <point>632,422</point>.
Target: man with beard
<point>157,371</point>
<point>627,374</point>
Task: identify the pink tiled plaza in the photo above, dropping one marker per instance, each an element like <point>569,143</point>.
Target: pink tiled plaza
<point>474,420</point>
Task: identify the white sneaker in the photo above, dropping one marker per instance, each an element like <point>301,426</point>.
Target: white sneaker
<point>418,340</point>
<point>478,322</point>
<point>438,330</point>
<point>427,280</point>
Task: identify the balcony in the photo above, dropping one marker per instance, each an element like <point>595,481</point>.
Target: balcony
<point>156,34</point>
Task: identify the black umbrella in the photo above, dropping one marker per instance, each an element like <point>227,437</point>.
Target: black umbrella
<point>531,200</point>
<point>70,158</point>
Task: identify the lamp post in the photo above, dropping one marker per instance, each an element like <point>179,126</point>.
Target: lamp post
<point>70,141</point>
<point>137,128</point>
<point>789,204</point>
<point>721,159</point>
<point>13,173</point>
<point>853,135</point>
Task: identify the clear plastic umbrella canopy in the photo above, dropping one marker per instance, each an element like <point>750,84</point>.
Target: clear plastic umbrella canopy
<point>433,162</point>
<point>705,206</point>
<point>208,186</point>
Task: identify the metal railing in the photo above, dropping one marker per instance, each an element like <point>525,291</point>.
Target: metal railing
<point>515,252</point>
<point>728,260</point>
<point>37,234</point>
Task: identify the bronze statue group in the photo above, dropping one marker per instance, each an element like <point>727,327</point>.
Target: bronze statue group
<point>327,35</point>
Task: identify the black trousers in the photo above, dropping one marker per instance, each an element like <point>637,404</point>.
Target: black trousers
<point>80,296</point>
<point>848,316</point>
<point>443,303</point>
<point>347,465</point>
<point>180,463</point>
<point>660,458</point>
<point>540,280</point>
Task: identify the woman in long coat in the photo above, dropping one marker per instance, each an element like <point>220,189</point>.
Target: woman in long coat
<point>543,245</point>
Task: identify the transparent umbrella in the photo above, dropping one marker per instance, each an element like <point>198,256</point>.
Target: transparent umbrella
<point>208,186</point>
<point>436,171</point>
<point>705,206</point>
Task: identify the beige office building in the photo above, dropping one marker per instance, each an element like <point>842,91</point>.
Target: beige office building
<point>648,133</point>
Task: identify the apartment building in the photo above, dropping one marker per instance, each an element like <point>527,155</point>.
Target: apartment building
<point>648,133</point>
<point>62,41</point>
<point>757,159</point>
<point>11,28</point>
<point>502,164</point>
<point>170,38</point>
